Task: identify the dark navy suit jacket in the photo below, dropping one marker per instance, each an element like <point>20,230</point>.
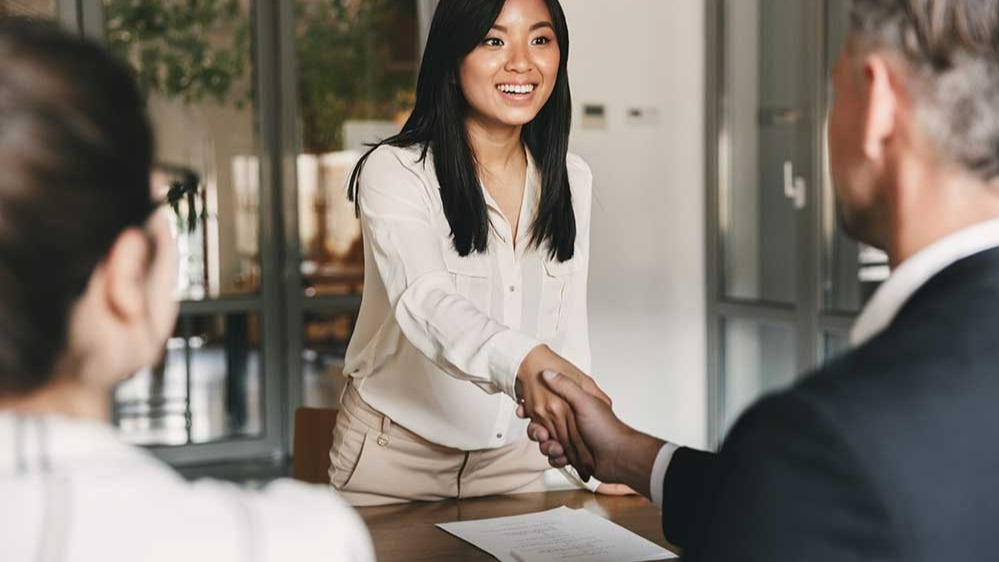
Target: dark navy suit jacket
<point>890,452</point>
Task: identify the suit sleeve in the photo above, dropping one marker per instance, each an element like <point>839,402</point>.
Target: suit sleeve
<point>686,486</point>
<point>786,486</point>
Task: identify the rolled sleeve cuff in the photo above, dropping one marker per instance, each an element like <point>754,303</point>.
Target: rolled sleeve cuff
<point>592,484</point>
<point>659,469</point>
<point>509,348</point>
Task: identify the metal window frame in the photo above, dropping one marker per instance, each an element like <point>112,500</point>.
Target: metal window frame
<point>807,315</point>
<point>296,303</point>
<point>88,17</point>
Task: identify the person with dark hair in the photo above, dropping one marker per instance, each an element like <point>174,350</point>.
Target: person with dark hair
<point>476,225</point>
<point>887,452</point>
<point>87,272</point>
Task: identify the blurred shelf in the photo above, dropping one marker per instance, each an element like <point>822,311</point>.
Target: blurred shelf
<point>226,305</point>
<point>332,303</point>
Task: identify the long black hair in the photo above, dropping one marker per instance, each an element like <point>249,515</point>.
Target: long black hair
<point>438,124</point>
<point>75,153</point>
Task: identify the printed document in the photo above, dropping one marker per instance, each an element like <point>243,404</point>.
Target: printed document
<point>557,535</point>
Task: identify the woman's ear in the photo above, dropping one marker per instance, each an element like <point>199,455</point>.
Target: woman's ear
<point>125,270</point>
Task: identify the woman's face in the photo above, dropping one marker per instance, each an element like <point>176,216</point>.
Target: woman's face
<point>509,77</point>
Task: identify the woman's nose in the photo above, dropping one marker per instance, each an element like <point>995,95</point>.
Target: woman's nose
<point>519,61</point>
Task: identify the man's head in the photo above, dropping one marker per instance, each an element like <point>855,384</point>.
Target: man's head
<point>916,84</point>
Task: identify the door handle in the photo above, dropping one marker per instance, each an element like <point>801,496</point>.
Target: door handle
<point>795,187</point>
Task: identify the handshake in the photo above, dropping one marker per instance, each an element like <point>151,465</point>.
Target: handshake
<point>572,420</point>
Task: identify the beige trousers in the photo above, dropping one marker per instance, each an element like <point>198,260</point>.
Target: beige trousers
<point>377,462</point>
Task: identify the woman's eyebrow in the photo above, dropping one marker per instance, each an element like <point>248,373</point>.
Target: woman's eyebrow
<point>538,25</point>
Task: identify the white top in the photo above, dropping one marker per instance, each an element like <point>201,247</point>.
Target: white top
<point>73,492</point>
<point>440,337</point>
<point>886,303</point>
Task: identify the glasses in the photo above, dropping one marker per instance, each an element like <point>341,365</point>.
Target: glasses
<point>181,188</point>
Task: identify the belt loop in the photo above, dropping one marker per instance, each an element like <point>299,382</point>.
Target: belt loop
<point>383,438</point>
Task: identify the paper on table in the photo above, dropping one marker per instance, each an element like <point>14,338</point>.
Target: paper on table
<point>560,534</point>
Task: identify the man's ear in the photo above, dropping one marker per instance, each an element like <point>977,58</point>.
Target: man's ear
<point>883,93</point>
<point>125,271</point>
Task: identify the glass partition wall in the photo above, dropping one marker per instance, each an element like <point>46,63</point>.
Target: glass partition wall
<point>357,65</point>
<point>260,110</point>
<point>785,284</point>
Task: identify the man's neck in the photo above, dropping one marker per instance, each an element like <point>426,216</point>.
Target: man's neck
<point>929,205</point>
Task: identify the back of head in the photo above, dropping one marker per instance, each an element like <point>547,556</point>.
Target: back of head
<point>75,155</point>
<point>951,48</point>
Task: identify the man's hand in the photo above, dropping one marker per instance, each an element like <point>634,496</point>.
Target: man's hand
<point>552,412</point>
<point>597,425</point>
<point>620,454</point>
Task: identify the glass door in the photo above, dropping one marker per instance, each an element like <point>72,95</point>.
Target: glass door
<point>785,283</point>
<point>761,199</point>
<point>357,63</point>
<point>207,74</point>
<point>350,81</point>
<point>260,110</point>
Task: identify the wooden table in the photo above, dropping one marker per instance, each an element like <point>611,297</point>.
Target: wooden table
<point>407,532</point>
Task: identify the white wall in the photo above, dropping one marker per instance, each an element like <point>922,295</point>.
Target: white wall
<point>647,280</point>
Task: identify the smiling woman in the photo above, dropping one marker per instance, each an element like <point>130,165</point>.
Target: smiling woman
<point>521,62</point>
<point>475,222</point>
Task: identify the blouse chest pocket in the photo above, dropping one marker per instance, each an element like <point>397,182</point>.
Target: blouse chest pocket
<point>556,294</point>
<point>471,276</point>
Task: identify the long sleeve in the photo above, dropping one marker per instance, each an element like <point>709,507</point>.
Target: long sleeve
<point>409,256</point>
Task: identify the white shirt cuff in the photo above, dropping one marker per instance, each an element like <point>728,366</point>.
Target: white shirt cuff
<point>592,484</point>
<point>509,348</point>
<point>659,469</point>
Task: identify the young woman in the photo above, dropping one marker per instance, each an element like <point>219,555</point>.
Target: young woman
<point>476,235</point>
<point>87,270</point>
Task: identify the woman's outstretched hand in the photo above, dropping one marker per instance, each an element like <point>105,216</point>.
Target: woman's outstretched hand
<point>550,411</point>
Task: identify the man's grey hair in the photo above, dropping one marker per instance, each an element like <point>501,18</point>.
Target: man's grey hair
<point>952,52</point>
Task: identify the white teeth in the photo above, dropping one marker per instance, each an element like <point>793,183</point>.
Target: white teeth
<point>516,89</point>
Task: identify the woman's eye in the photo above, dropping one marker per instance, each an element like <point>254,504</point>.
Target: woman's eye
<point>492,42</point>
<point>541,41</point>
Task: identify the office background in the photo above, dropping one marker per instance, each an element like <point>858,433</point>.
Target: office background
<point>717,272</point>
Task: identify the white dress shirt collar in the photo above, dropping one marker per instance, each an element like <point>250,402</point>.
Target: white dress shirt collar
<point>914,272</point>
